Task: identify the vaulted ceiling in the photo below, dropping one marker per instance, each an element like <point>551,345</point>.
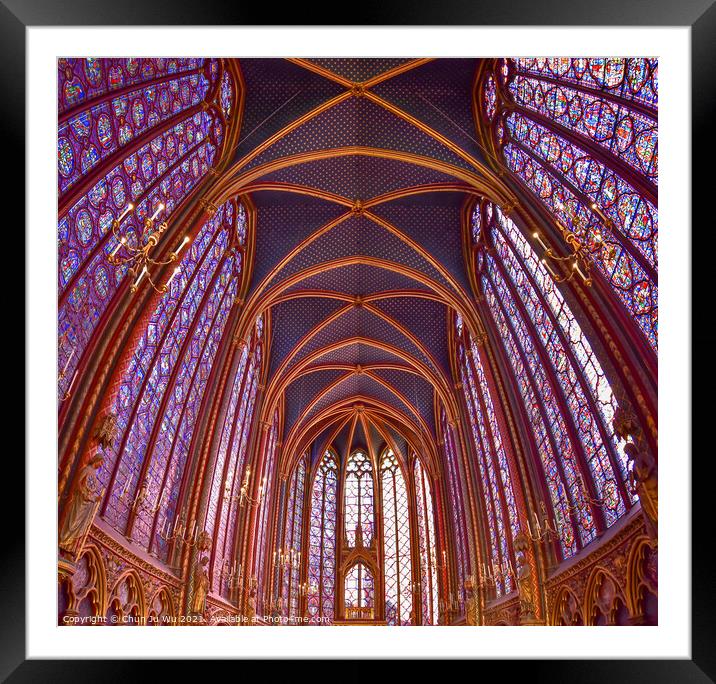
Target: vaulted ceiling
<point>359,172</point>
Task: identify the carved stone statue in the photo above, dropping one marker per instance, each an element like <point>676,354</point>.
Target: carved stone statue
<point>644,481</point>
<point>201,586</point>
<point>472,605</point>
<point>81,508</point>
<point>524,580</point>
<point>251,604</point>
<point>106,431</point>
<point>643,476</point>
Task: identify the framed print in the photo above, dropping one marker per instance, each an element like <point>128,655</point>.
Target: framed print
<point>355,342</point>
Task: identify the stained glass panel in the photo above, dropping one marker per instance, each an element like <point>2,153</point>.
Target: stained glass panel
<point>396,543</point>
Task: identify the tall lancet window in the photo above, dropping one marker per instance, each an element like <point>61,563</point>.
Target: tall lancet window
<point>322,541</point>
<point>229,472</point>
<point>263,530</point>
<point>396,542</point>
<point>566,393</point>
<point>457,509</point>
<point>290,553</point>
<point>359,524</point>
<point>499,501</point>
<point>581,134</point>
<point>159,396</point>
<point>428,545</point>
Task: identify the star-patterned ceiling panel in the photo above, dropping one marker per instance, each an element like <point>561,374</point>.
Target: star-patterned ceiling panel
<point>434,223</point>
<point>359,322</point>
<point>359,122</point>
<point>292,320</point>
<point>358,177</point>
<point>340,442</point>
<point>359,280</point>
<point>358,70</point>
<point>426,319</point>
<point>377,441</point>
<point>277,92</point>
<point>361,386</point>
<point>359,237</point>
<point>284,221</point>
<point>438,93</point>
<point>302,392</point>
<point>359,354</point>
<point>415,389</point>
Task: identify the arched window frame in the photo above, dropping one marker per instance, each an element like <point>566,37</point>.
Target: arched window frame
<point>391,478</point>
<point>602,216</point>
<point>427,543</point>
<point>578,514</point>
<point>230,464</point>
<point>161,520</point>
<point>82,308</point>
<point>496,479</point>
<point>458,512</point>
<point>368,528</point>
<point>318,594</point>
<point>291,546</point>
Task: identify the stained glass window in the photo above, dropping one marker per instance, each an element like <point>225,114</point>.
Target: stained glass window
<point>266,490</point>
<point>359,500</point>
<point>624,132</point>
<point>570,408</point>
<point>291,548</point>
<point>229,469</point>
<point>456,510</point>
<point>428,545</point>
<point>581,134</point>
<point>322,541</point>
<point>359,592</point>
<point>496,479</point>
<point>396,542</point>
<point>160,393</point>
<point>130,131</point>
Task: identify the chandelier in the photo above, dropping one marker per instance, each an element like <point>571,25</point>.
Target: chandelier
<point>140,259</point>
<point>579,262</point>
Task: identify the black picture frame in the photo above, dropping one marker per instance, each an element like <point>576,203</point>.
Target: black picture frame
<point>700,15</point>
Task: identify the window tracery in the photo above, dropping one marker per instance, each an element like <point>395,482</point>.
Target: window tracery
<point>147,145</point>
<point>427,544</point>
<point>581,134</point>
<point>396,542</point>
<point>358,496</point>
<point>322,540</point>
<point>566,394</point>
<point>160,393</point>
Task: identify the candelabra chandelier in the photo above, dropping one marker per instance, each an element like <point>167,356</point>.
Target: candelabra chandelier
<point>231,574</point>
<point>493,574</point>
<point>579,262</point>
<point>140,258</point>
<point>244,497</point>
<point>288,559</point>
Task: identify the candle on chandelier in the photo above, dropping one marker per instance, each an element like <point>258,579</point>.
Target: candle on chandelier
<point>67,363</point>
<point>121,242</point>
<point>127,209</point>
<point>537,237</point>
<point>72,383</point>
<point>536,521</point>
<point>183,244</point>
<point>174,275</point>
<point>139,279</point>
<point>160,207</point>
